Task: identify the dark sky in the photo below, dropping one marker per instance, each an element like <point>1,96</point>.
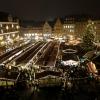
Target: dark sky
<point>48,9</point>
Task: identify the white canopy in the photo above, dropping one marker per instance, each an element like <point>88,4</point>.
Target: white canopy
<point>70,63</point>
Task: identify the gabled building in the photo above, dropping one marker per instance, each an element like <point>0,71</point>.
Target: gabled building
<point>9,30</point>
<point>47,30</point>
<point>58,28</point>
<point>76,25</point>
<point>69,27</point>
<point>35,31</point>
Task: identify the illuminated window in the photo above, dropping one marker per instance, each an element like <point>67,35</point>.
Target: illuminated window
<point>71,26</point>
<point>64,26</point>
<point>1,37</point>
<point>95,27</point>
<point>13,35</point>
<point>0,25</point>
<point>7,27</point>
<point>36,34</point>
<point>29,34</point>
<point>92,22</point>
<point>32,34</point>
<point>17,27</point>
<point>71,30</point>
<point>1,31</point>
<point>12,26</point>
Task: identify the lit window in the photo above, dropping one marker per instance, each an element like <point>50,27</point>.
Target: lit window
<point>29,34</point>
<point>32,34</point>
<point>17,27</point>
<point>1,37</point>
<point>13,35</point>
<point>7,27</point>
<point>71,30</point>
<point>64,26</point>
<point>36,34</point>
<point>92,22</point>
<point>0,25</point>
<point>1,31</point>
<point>12,26</point>
<point>71,26</point>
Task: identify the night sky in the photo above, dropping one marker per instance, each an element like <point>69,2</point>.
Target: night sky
<point>48,9</point>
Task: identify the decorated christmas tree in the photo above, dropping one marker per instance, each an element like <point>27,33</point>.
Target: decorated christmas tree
<point>89,37</point>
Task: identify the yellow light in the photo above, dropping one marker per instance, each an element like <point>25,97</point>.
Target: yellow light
<point>2,43</point>
<point>1,30</point>
<point>36,37</point>
<point>7,27</point>
<point>0,25</point>
<point>12,26</point>
<point>13,35</point>
<point>1,38</point>
<point>17,27</point>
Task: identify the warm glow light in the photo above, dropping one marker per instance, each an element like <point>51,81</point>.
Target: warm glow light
<point>1,31</point>
<point>7,27</point>
<point>36,37</point>
<point>17,27</point>
<point>25,34</point>
<point>13,35</point>
<point>0,25</point>
<point>2,43</point>
<point>29,34</point>
<point>12,26</point>
<point>1,38</point>
<point>32,34</point>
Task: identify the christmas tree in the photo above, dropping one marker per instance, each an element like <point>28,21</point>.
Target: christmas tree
<point>89,37</point>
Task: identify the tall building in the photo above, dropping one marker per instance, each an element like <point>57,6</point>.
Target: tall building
<point>69,27</point>
<point>9,30</point>
<point>76,26</point>
<point>80,28</point>
<point>58,28</point>
<point>47,30</point>
<point>35,31</point>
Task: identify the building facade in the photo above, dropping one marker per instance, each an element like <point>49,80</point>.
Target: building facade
<point>32,33</point>
<point>76,27</point>
<point>9,32</point>
<point>47,30</point>
<point>58,28</point>
<point>70,27</point>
